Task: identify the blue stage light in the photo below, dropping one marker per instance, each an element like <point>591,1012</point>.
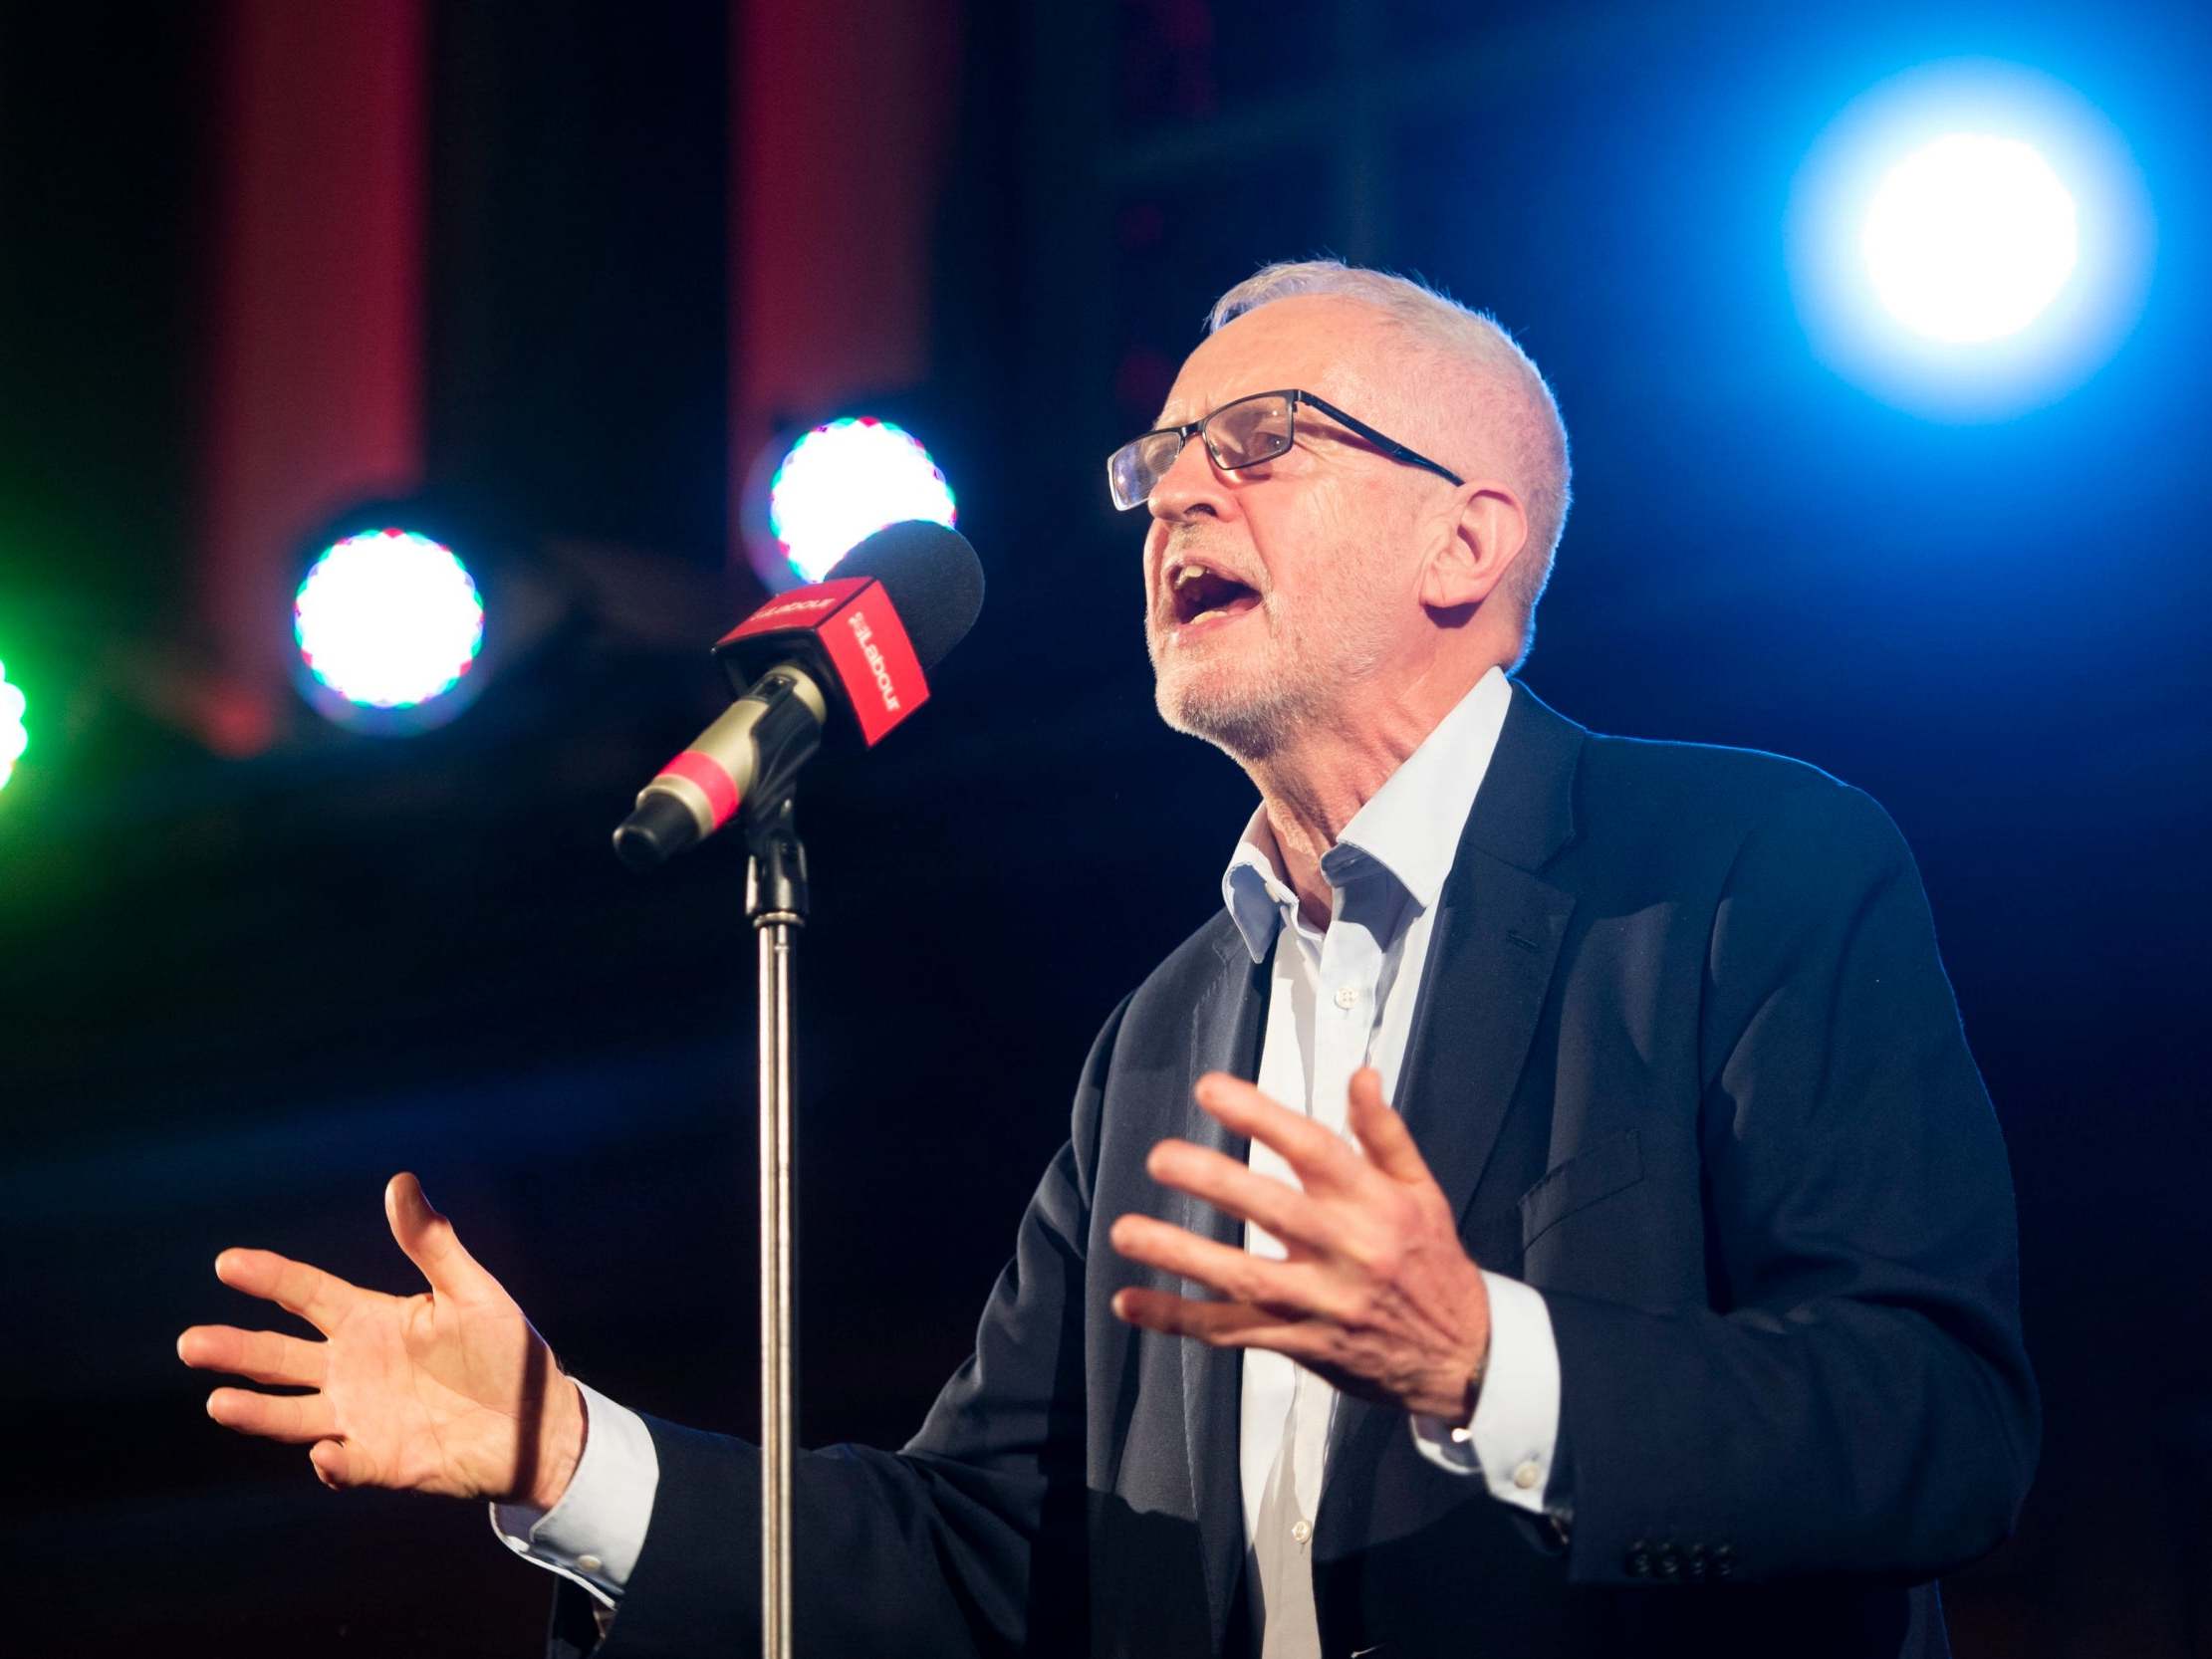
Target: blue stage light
<point>846,480</point>
<point>1969,241</point>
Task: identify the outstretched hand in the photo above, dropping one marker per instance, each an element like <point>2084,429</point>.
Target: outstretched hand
<point>1375,1295</point>
<point>447,1391</point>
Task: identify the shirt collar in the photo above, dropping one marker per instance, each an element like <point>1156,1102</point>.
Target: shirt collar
<point>1408,830</point>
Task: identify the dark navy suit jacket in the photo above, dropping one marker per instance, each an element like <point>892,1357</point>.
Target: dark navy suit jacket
<point>1687,1062</point>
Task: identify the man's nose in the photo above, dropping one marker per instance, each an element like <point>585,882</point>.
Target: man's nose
<point>1192,484</point>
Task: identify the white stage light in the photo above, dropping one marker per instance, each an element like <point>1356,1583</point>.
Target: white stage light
<point>1970,237</point>
<point>388,620</point>
<point>846,480</point>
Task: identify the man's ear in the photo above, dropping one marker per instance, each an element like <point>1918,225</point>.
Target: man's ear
<point>1474,549</point>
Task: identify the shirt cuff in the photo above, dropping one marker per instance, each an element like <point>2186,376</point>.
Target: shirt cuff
<point>592,1535</point>
<point>1514,1435</point>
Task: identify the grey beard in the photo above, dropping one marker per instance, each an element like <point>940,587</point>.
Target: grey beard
<point>1248,731</point>
<point>1254,726</point>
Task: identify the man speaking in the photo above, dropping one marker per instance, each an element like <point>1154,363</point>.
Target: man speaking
<point>1551,1209</point>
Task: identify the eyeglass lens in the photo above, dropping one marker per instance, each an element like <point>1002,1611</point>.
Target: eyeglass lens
<point>1239,434</point>
<point>1249,431</point>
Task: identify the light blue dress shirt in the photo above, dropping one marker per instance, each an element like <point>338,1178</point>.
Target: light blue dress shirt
<point>1343,997</point>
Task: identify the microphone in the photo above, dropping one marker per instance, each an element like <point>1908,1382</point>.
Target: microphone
<point>850,651</point>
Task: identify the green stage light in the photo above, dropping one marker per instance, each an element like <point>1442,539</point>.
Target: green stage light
<point>15,736</point>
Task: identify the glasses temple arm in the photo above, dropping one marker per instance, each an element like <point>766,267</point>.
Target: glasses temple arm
<point>1390,446</point>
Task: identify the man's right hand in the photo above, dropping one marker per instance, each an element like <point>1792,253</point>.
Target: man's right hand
<point>447,1391</point>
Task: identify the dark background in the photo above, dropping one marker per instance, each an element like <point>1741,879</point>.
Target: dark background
<point>250,968</point>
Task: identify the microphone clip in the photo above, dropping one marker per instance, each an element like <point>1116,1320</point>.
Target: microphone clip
<point>776,871</point>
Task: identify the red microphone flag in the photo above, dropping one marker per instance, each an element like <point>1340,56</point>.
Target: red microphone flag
<point>852,621</point>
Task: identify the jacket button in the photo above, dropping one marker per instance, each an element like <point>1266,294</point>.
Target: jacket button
<point>1637,1563</point>
<point>1671,1565</point>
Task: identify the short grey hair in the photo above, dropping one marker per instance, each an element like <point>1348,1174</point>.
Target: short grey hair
<point>1514,407</point>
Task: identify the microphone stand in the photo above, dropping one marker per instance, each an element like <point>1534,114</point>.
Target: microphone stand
<point>776,902</point>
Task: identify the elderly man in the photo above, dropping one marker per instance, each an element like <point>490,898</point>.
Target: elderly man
<point>1671,1310</point>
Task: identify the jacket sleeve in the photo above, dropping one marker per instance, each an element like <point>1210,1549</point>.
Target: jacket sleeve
<point>967,1542</point>
<point>1856,1398</point>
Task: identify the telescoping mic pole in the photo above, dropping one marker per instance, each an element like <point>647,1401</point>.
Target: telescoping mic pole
<point>776,900</point>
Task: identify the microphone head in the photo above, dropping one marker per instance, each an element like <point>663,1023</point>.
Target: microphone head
<point>932,576</point>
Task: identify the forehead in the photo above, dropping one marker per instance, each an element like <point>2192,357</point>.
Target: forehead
<point>1321,342</point>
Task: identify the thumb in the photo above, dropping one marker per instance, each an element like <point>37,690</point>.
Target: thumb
<point>428,1239</point>
<point>333,1466</point>
<point>1381,1132</point>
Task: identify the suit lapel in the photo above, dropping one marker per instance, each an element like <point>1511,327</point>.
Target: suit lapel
<point>1491,954</point>
<point>1225,1030</point>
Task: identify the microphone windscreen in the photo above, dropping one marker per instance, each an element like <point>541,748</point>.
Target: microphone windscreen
<point>934,579</point>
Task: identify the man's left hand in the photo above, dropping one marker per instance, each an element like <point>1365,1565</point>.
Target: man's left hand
<point>1375,1293</point>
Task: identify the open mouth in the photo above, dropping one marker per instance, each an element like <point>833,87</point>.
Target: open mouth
<point>1199,596</point>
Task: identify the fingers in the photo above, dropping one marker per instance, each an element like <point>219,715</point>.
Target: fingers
<point>319,1298</point>
<point>1174,1315</point>
<point>429,1240</point>
<point>260,1355</point>
<point>1309,1148</point>
<point>1228,1185</point>
<point>290,1417</point>
<point>1381,1132</point>
<point>1224,1325</point>
<point>1319,1156</point>
<point>1285,1289</point>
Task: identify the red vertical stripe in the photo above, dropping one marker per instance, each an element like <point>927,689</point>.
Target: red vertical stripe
<point>315,363</point>
<point>842,117</point>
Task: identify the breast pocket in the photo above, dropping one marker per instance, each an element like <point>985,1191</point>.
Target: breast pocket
<point>1599,1170</point>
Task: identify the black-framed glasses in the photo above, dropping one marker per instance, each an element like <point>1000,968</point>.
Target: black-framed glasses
<point>1240,434</point>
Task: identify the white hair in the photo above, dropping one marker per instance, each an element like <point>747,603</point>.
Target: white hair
<point>1511,410</point>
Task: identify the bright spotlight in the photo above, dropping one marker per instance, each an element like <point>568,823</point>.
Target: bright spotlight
<point>843,482</point>
<point>1969,240</point>
<point>15,736</point>
<point>388,622</point>
<point>1970,237</point>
